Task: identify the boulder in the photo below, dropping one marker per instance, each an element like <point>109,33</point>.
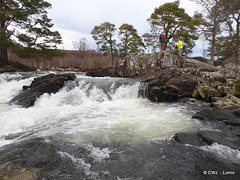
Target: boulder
<point>139,64</point>
<point>188,138</point>
<point>215,114</point>
<point>9,68</point>
<point>169,85</point>
<point>205,91</point>
<point>50,83</point>
<point>233,98</point>
<point>106,72</point>
<point>232,86</point>
<point>159,94</point>
<point>224,137</point>
<point>235,122</point>
<point>237,111</point>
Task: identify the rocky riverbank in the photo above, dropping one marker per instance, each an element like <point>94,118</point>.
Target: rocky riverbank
<point>213,90</point>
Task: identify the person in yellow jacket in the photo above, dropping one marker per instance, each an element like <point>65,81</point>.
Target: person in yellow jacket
<point>179,45</point>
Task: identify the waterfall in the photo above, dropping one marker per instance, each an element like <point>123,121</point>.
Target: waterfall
<point>91,109</point>
<point>100,128</point>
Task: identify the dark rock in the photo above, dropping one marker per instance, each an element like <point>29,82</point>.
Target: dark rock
<point>224,137</point>
<point>188,138</point>
<point>106,72</point>
<point>183,85</point>
<point>233,122</point>
<point>214,114</point>
<point>50,83</point>
<point>9,68</point>
<point>158,94</point>
<point>172,160</point>
<point>237,112</point>
<point>170,85</point>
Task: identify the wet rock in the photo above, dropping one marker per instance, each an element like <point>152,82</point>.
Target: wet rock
<point>237,111</point>
<point>169,160</point>
<point>170,85</point>
<point>9,68</point>
<point>106,72</point>
<point>50,83</point>
<point>183,85</point>
<point>223,137</point>
<point>235,121</point>
<point>159,94</point>
<point>214,114</point>
<point>188,138</point>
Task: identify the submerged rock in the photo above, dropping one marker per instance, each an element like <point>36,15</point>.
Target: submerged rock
<point>221,137</point>
<point>171,160</point>
<point>106,72</point>
<point>50,83</point>
<point>188,138</point>
<point>215,114</point>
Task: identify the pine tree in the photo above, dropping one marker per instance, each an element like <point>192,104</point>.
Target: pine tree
<point>25,28</point>
<point>103,35</point>
<point>131,42</point>
<point>174,22</point>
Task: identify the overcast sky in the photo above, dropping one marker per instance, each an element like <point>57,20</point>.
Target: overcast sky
<point>75,19</point>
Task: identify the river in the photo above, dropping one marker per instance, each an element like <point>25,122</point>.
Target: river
<point>99,128</point>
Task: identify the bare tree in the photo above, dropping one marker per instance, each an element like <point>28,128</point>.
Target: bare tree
<point>80,45</point>
<point>214,19</point>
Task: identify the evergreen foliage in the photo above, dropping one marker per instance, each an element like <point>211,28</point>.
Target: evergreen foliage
<point>103,35</point>
<point>131,42</point>
<point>25,27</point>
<point>174,22</point>
<point>222,26</point>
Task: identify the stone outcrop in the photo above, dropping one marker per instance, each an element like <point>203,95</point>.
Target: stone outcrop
<point>225,122</point>
<point>169,85</point>
<point>188,138</point>
<point>50,83</point>
<point>167,77</point>
<point>139,64</point>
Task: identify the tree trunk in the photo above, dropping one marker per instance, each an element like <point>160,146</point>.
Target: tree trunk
<point>4,57</point>
<point>3,45</point>
<point>214,33</point>
<point>237,46</point>
<point>112,56</point>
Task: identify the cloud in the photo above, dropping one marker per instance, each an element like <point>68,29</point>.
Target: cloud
<point>75,19</point>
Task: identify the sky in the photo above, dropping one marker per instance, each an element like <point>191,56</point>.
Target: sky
<point>75,19</point>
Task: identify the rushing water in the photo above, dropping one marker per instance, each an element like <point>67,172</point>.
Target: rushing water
<point>90,110</point>
<point>94,116</point>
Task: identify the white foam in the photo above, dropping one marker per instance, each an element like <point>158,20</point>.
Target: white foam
<point>97,153</point>
<point>86,114</point>
<point>79,163</point>
<point>223,152</point>
<point>8,89</point>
